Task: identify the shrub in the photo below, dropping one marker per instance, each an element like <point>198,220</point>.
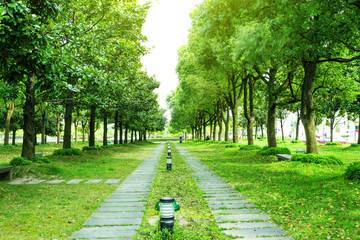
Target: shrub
<point>282,142</point>
<point>332,143</point>
<point>8,146</point>
<point>91,148</point>
<point>315,158</point>
<point>355,145</point>
<point>266,151</point>
<point>353,171</point>
<point>250,147</point>
<point>296,141</point>
<point>19,161</point>
<point>41,159</point>
<point>67,151</point>
<point>234,145</point>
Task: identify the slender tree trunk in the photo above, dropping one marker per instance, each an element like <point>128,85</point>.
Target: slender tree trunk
<point>307,107</point>
<point>211,129</point>
<point>43,125</point>
<point>204,127</point>
<point>83,126</point>
<point>132,136</point>
<point>28,147</point>
<point>126,134</point>
<point>75,131</point>
<point>69,106</point>
<point>262,131</point>
<point>58,128</point>
<point>145,135</point>
<point>140,136</point>
<point>282,129</point>
<point>332,123</point>
<point>14,137</point>
<point>135,136</point>
<point>297,125</point>
<point>10,107</point>
<point>193,133</point>
<point>271,120</point>
<point>256,130</point>
<point>116,127</point>
<point>105,130</point>
<point>250,117</point>
<point>92,126</point>
<point>121,130</point>
<point>227,124</point>
<point>214,130</point>
<point>234,112</point>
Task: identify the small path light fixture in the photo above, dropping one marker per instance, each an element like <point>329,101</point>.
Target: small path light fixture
<point>167,207</point>
<point>169,152</point>
<point>168,163</point>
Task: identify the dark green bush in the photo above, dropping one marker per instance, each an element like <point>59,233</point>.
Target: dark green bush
<point>315,158</point>
<point>353,171</point>
<point>332,143</point>
<point>296,141</point>
<point>68,151</point>
<point>234,145</point>
<point>250,147</point>
<point>266,151</point>
<point>355,145</point>
<point>8,146</point>
<point>41,159</point>
<point>19,161</point>
<point>91,148</point>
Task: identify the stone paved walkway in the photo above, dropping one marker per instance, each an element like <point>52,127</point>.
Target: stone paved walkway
<point>237,216</point>
<point>121,214</point>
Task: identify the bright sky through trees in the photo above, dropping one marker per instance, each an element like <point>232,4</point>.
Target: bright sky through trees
<point>166,27</point>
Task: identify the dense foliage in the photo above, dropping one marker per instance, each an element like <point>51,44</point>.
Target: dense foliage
<point>318,159</point>
<point>353,171</point>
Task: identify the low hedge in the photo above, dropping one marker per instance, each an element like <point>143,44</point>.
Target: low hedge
<point>332,143</point>
<point>250,147</point>
<point>355,145</point>
<point>41,159</point>
<point>20,161</point>
<point>315,158</point>
<point>266,151</point>
<point>296,141</point>
<point>67,151</point>
<point>353,171</point>
<point>88,148</point>
<point>234,145</point>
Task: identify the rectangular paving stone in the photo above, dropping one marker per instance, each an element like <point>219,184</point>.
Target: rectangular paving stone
<point>257,232</point>
<point>75,181</point>
<point>118,215</point>
<point>18,181</point>
<point>106,232</point>
<point>124,204</point>
<point>241,217</point>
<point>35,181</point>
<point>120,209</point>
<point>112,181</point>
<point>229,201</point>
<point>125,199</point>
<point>219,195</point>
<point>243,225</point>
<point>227,206</point>
<point>113,222</point>
<point>243,210</point>
<point>55,181</point>
<point>94,181</point>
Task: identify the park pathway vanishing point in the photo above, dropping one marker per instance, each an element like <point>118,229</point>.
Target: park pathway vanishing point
<point>121,214</point>
<point>233,213</point>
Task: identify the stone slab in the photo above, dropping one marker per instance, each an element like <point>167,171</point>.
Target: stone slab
<point>257,232</point>
<point>227,206</point>
<point>123,204</point>
<point>55,181</point>
<point>113,222</point>
<point>106,232</point>
<point>35,181</point>
<point>118,215</point>
<point>94,181</point>
<point>112,181</point>
<point>241,217</point>
<point>75,181</point>
<point>120,209</point>
<point>244,225</point>
<point>125,199</point>
<point>18,181</point>
<point>229,201</point>
<point>243,210</point>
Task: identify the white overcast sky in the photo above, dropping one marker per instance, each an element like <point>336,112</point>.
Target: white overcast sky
<point>166,28</point>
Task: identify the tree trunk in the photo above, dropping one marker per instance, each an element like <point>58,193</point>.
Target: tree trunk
<point>140,136</point>
<point>10,107</point>
<point>135,137</point>
<point>121,130</point>
<point>220,130</point>
<point>211,128</point>
<point>43,125</point>
<point>92,126</point>
<point>282,129</point>
<point>227,124</point>
<point>105,130</point>
<point>116,127</point>
<point>359,131</point>
<point>145,135</point>
<point>297,125</point>
<point>14,137</point>
<point>234,112</point>
<point>58,128</point>
<point>332,123</point>
<point>204,127</point>
<point>28,147</point>
<point>126,134</point>
<point>307,106</point>
<point>271,120</point>
<point>75,131</point>
<point>132,136</point>
<point>250,117</point>
<point>83,126</point>
<point>69,106</point>
<point>214,130</point>
<point>193,133</point>
<point>262,131</point>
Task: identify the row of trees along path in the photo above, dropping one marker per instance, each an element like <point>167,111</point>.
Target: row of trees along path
<point>256,57</point>
<point>61,59</point>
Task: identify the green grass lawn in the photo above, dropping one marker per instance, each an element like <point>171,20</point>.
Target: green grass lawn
<point>47,211</point>
<point>309,201</point>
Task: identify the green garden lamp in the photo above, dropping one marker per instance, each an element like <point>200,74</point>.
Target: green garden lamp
<point>167,207</point>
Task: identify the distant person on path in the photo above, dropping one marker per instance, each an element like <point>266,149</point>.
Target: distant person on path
<point>207,137</point>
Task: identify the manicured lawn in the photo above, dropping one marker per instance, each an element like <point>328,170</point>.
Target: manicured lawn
<point>57,211</point>
<point>309,201</point>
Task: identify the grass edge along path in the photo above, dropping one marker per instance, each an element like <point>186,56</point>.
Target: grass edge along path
<point>309,201</point>
<point>194,220</point>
